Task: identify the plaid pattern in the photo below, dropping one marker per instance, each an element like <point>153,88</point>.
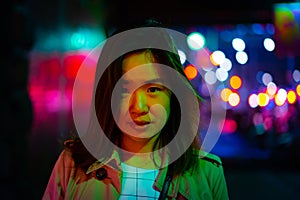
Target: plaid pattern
<point>137,183</point>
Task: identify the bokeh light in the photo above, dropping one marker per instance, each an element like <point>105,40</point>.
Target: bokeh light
<point>190,71</point>
<point>269,44</point>
<point>296,75</point>
<point>221,74</point>
<point>253,100</point>
<point>238,44</point>
<point>298,89</point>
<point>225,93</point>
<point>229,126</point>
<point>263,99</point>
<point>235,82</point>
<point>77,40</point>
<point>217,57</point>
<point>226,65</point>
<point>271,88</point>
<point>280,97</point>
<point>266,78</point>
<point>196,41</point>
<point>258,28</point>
<point>234,99</point>
<point>241,57</point>
<point>291,96</point>
<point>210,77</point>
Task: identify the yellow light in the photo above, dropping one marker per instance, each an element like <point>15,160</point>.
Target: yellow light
<point>225,93</point>
<point>291,97</point>
<point>234,99</point>
<point>190,71</point>
<point>235,82</point>
<point>263,99</point>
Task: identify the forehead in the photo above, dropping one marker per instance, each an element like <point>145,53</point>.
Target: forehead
<point>139,67</point>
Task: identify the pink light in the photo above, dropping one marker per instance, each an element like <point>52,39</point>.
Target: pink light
<point>229,126</point>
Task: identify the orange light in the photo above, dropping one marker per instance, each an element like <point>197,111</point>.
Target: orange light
<point>191,72</point>
<point>235,82</point>
<point>298,89</point>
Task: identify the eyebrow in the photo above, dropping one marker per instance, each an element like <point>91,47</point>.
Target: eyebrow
<point>160,80</point>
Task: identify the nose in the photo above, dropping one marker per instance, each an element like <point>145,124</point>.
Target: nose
<point>138,103</point>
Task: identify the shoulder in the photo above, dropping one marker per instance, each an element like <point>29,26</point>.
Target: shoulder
<point>65,158</point>
<point>210,158</point>
<point>209,165</point>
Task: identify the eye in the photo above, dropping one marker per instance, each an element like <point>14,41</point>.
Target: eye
<point>153,89</point>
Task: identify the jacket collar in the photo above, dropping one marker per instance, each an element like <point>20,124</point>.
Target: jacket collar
<point>115,163</point>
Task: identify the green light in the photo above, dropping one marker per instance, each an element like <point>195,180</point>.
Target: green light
<point>77,40</point>
<point>196,41</point>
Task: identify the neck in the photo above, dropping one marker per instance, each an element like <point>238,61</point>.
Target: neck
<point>139,152</point>
<point>138,145</point>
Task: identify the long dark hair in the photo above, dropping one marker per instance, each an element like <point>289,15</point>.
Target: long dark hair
<point>103,98</point>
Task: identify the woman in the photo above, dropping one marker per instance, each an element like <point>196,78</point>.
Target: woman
<point>149,154</point>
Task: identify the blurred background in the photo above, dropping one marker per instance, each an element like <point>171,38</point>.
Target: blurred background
<point>246,55</point>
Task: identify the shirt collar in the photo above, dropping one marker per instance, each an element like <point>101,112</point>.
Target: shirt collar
<point>115,162</point>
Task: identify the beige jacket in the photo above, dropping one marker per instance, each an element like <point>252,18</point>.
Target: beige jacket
<point>68,182</point>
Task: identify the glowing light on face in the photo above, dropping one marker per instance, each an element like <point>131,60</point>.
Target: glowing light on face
<point>145,102</point>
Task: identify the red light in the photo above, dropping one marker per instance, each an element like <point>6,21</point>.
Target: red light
<point>72,64</point>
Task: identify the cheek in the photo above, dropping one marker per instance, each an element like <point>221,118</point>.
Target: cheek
<point>162,107</point>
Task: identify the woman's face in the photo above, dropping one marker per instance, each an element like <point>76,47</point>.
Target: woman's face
<point>145,102</point>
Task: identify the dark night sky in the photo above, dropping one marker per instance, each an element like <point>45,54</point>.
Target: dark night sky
<point>50,13</point>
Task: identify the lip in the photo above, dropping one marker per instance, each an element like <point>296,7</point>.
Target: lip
<point>141,123</point>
